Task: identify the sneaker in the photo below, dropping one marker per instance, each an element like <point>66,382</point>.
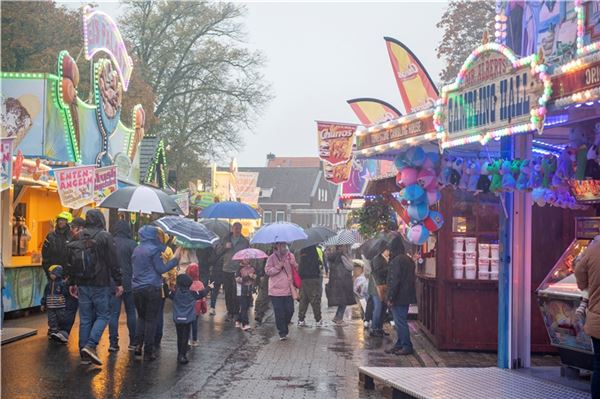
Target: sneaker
<point>138,350</point>
<point>131,347</point>
<point>113,348</point>
<point>366,324</point>
<point>56,336</point>
<point>150,356</point>
<point>85,361</point>
<point>194,343</point>
<point>238,324</point>
<point>284,338</point>
<point>64,339</point>
<point>212,312</point>
<point>376,333</point>
<point>247,327</point>
<point>320,323</point>
<point>183,359</point>
<point>301,323</point>
<point>91,353</point>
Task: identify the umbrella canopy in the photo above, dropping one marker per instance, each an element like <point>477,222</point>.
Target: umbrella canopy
<point>249,254</point>
<point>229,210</point>
<point>141,199</point>
<point>278,232</point>
<point>373,247</point>
<point>187,231</point>
<point>218,227</point>
<point>344,237</point>
<point>316,235</point>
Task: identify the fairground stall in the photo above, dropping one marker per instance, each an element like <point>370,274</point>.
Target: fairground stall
<point>60,152</point>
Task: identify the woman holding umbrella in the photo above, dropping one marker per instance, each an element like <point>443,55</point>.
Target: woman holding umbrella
<point>339,289</point>
<point>279,269</point>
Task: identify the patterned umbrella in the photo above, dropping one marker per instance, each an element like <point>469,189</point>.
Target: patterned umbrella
<point>278,232</point>
<point>188,232</point>
<point>141,199</point>
<point>344,237</point>
<point>249,254</point>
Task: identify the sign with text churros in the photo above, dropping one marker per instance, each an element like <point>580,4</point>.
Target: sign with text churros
<point>335,141</point>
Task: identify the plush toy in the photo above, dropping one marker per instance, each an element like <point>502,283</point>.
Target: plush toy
<point>536,175</point>
<point>432,160</point>
<point>464,174</point>
<point>415,156</point>
<point>400,161</point>
<point>399,181</point>
<point>474,174</point>
<point>578,145</point>
<point>426,178</point>
<point>548,168</point>
<point>418,211</point>
<point>508,181</point>
<point>434,221</point>
<point>537,196</point>
<point>483,183</point>
<point>409,176</point>
<point>417,234</point>
<point>433,196</point>
<point>524,176</point>
<point>496,178</point>
<point>455,170</point>
<point>413,194</point>
<point>564,167</point>
<point>592,168</point>
<point>446,171</point>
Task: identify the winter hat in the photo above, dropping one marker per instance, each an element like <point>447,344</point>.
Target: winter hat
<point>193,270</point>
<point>56,270</point>
<point>66,216</point>
<point>183,280</point>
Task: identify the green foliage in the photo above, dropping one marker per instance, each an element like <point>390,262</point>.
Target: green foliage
<point>372,217</point>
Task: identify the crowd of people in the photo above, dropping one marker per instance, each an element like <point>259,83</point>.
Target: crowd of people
<point>96,273</point>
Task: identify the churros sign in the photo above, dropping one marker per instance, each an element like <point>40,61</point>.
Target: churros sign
<point>335,141</point>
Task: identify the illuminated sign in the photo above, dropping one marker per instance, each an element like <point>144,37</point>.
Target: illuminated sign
<point>495,94</point>
<point>100,33</point>
<point>414,128</point>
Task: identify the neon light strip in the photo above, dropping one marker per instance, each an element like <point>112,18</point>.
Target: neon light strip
<point>65,114</point>
<point>22,75</point>
<point>581,49</point>
<point>361,130</point>
<point>129,140</point>
<point>578,98</point>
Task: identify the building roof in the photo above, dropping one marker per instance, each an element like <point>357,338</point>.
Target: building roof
<point>294,162</point>
<point>288,185</point>
<point>147,151</point>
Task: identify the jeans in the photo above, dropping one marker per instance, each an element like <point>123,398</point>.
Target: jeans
<point>115,313</point>
<point>71,306</point>
<point>230,288</point>
<point>283,307</point>
<point>596,375</point>
<point>217,278</point>
<point>147,303</point>
<point>56,317</point>
<point>94,313</point>
<point>378,311</point>
<point>194,325</point>
<point>262,298</point>
<point>183,334</point>
<point>244,301</point>
<point>369,309</point>
<point>160,322</point>
<point>339,313</point>
<point>310,292</point>
<point>400,313</point>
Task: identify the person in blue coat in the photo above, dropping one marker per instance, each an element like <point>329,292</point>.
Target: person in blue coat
<point>148,268</point>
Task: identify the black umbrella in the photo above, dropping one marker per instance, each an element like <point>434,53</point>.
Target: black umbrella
<point>316,235</point>
<point>376,245</point>
<point>141,199</point>
<point>218,227</point>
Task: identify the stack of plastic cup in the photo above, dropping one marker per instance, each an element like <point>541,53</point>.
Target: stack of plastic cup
<point>483,261</point>
<point>458,257</point>
<point>494,261</point>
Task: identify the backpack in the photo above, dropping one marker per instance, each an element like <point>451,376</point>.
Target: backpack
<point>83,257</point>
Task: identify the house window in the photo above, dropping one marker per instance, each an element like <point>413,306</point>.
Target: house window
<point>267,217</point>
<point>280,216</point>
<point>325,192</point>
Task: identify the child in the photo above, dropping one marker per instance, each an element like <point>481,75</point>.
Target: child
<point>361,288</point>
<point>54,302</point>
<point>183,312</point>
<point>200,306</point>
<point>246,280</point>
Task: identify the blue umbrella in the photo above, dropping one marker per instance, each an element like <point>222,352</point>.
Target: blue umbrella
<point>278,232</point>
<point>188,232</point>
<point>229,210</point>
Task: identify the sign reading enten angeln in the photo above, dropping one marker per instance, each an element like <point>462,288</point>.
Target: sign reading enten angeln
<point>494,95</point>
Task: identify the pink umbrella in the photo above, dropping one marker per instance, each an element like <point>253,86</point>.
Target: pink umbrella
<point>249,254</point>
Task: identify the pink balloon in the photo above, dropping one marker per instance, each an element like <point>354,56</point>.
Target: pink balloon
<point>427,179</point>
<point>408,176</point>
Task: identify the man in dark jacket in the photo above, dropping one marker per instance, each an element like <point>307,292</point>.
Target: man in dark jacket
<point>125,246</point>
<point>379,274</point>
<point>309,268</point>
<point>94,293</point>
<point>233,243</point>
<point>54,249</point>
<point>401,293</point>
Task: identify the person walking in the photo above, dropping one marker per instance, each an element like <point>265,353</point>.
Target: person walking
<point>193,271</point>
<point>233,243</point>
<point>95,268</point>
<point>168,283</point>
<point>147,286</point>
<point>309,269</point>
<point>401,293</point>
<point>261,304</point>
<point>279,269</point>
<point>378,286</point>
<point>54,249</point>
<point>216,276</point>
<point>339,289</point>
<point>587,273</point>
<point>245,279</point>
<point>125,247</point>
<point>184,300</point>
<point>53,302</point>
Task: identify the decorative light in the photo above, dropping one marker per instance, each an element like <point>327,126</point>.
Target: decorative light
<point>22,75</point>
<point>65,113</point>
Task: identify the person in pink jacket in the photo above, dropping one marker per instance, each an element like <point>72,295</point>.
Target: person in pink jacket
<point>279,269</point>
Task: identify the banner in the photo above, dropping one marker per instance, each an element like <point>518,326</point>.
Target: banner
<point>335,141</point>
<point>76,185</point>
<point>204,199</point>
<point>246,187</point>
<point>371,111</point>
<point>105,182</point>
<point>337,174</point>
<point>417,90</point>
<point>183,200</point>
<point>6,161</point>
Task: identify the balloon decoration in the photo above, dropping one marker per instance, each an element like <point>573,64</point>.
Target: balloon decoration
<point>418,180</point>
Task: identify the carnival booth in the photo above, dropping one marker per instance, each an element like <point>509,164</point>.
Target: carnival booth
<point>62,153</point>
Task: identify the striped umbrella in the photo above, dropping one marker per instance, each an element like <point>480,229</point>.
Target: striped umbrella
<point>188,232</point>
<point>343,237</point>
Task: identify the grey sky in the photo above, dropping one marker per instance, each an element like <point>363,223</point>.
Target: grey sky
<point>321,54</point>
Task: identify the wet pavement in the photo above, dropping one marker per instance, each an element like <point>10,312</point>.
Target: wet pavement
<point>229,363</point>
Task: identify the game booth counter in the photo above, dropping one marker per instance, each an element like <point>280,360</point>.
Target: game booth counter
<point>517,141</point>
<point>61,153</point>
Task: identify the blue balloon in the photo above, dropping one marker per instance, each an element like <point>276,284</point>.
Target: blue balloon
<point>418,212</point>
<point>414,194</point>
<point>415,156</point>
